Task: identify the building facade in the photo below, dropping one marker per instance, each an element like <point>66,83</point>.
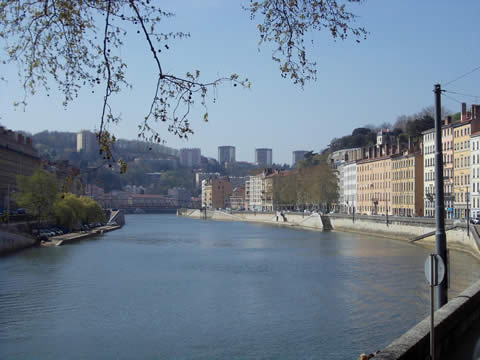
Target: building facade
<point>475,174</point>
<point>190,157</point>
<point>226,155</point>
<point>429,172</point>
<point>298,155</point>
<point>87,141</point>
<point>254,190</point>
<point>216,193</point>
<point>461,157</point>
<point>17,157</point>
<point>407,185</point>
<point>350,186</point>
<point>237,199</point>
<point>448,185</point>
<point>374,186</point>
<point>263,157</point>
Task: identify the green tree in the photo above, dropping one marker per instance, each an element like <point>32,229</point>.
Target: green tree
<point>93,210</point>
<point>77,44</point>
<point>70,211</point>
<point>37,193</point>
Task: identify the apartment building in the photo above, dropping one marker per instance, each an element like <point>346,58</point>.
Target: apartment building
<point>429,171</point>
<point>216,193</point>
<point>190,157</point>
<point>237,199</point>
<point>87,141</point>
<point>448,171</point>
<point>350,186</point>
<point>475,174</point>
<point>263,157</point>
<point>342,205</point>
<point>429,168</point>
<point>17,157</point>
<point>461,159</point>
<point>298,155</point>
<point>254,190</point>
<point>226,155</point>
<point>407,184</point>
<point>374,190</point>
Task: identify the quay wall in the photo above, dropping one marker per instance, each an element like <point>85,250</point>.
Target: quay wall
<point>312,221</point>
<point>453,321</point>
<point>12,241</point>
<point>409,228</point>
<point>400,228</point>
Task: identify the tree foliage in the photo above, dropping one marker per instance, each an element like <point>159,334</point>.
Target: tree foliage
<point>71,211</point>
<point>36,193</point>
<point>285,23</point>
<point>314,184</point>
<point>77,44</point>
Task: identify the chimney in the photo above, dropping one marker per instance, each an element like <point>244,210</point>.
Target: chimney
<point>20,139</point>
<point>475,124</point>
<point>475,111</point>
<point>448,120</point>
<point>29,141</point>
<point>409,144</point>
<point>464,112</point>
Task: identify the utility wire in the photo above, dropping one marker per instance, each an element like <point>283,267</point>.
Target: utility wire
<point>451,98</point>
<point>457,93</point>
<point>462,76</point>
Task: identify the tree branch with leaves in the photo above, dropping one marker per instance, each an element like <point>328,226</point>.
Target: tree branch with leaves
<point>76,44</point>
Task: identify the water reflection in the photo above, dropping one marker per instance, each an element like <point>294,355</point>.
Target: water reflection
<point>167,287</point>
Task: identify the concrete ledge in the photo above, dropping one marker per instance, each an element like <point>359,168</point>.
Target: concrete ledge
<point>452,321</point>
<point>13,241</point>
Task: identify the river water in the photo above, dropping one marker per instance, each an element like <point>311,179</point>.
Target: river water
<point>164,287</point>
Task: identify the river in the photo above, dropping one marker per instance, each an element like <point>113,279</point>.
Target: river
<point>165,287</point>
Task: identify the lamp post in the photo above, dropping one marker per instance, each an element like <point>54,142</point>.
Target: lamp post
<point>467,215</point>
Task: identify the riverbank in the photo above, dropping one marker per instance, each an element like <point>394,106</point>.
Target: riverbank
<point>76,236</point>
<point>399,228</point>
<point>17,237</point>
<point>12,240</point>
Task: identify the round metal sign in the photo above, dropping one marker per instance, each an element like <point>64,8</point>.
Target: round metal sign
<point>438,269</point>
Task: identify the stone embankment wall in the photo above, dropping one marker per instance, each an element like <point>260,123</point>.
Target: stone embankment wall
<point>408,229</point>
<point>312,221</point>
<point>405,229</point>
<point>11,241</point>
<point>453,321</point>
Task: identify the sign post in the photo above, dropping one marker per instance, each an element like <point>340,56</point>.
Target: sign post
<point>434,272</point>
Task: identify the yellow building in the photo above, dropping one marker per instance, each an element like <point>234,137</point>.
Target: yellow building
<point>17,157</point>
<point>374,191</point>
<point>407,184</point>
<point>461,164</point>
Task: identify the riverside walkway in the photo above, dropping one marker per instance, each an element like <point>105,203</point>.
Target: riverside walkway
<point>75,236</point>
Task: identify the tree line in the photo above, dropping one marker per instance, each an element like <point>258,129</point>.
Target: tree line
<point>40,197</point>
<point>313,184</point>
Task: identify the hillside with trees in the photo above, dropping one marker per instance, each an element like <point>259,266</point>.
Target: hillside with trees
<point>404,127</point>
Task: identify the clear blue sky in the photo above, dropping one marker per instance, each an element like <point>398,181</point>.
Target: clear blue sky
<point>411,46</point>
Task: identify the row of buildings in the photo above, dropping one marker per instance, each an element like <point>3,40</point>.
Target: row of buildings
<point>252,193</point>
<point>390,179</point>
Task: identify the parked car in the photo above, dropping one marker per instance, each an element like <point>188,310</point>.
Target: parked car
<point>475,221</point>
